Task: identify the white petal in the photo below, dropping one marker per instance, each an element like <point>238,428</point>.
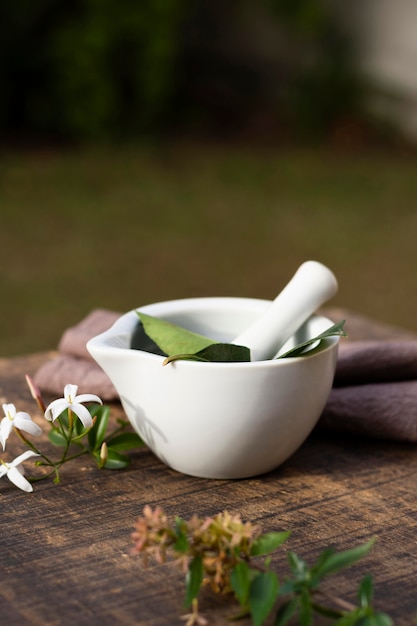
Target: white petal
<point>23,421</point>
<point>22,414</point>
<point>84,415</point>
<point>18,479</point>
<point>9,409</point>
<point>70,392</point>
<point>55,409</point>
<point>22,457</point>
<point>5,430</point>
<point>87,397</point>
<point>3,470</point>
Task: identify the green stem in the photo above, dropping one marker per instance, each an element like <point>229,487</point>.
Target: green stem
<point>118,430</point>
<point>343,604</point>
<point>32,446</point>
<point>67,435</point>
<point>326,610</point>
<point>74,456</point>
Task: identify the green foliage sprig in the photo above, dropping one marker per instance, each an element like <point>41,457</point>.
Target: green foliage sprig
<point>234,558</point>
<point>176,343</point>
<point>74,428</point>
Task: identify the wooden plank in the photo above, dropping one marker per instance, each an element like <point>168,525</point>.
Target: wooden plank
<point>65,549</point>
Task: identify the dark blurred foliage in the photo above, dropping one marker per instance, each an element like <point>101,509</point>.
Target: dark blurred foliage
<point>101,69</point>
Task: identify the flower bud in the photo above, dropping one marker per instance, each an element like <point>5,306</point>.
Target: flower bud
<point>104,454</point>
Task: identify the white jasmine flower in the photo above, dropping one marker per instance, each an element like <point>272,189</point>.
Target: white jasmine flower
<point>14,472</point>
<point>14,419</point>
<point>74,403</point>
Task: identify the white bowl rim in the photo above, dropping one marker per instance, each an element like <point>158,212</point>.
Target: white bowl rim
<point>123,327</point>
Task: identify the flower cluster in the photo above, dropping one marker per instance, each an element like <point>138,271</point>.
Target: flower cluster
<point>222,541</point>
<point>21,422</point>
<point>233,557</point>
<point>219,543</point>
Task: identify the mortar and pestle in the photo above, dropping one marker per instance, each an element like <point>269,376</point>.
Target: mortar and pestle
<point>228,420</point>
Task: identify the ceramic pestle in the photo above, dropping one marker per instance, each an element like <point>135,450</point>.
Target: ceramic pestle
<point>311,286</point>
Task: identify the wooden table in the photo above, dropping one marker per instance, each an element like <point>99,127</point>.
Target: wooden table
<point>65,549</point>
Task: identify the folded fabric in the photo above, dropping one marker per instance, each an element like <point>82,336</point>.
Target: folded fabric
<point>73,363</point>
<point>382,410</point>
<point>374,391</point>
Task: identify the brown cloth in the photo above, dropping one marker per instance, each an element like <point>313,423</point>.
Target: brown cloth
<point>74,364</point>
<point>374,391</point>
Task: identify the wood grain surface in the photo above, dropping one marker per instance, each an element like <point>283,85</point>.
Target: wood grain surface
<point>65,549</point>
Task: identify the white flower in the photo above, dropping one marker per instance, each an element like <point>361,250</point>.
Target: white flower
<point>73,402</point>
<point>14,472</point>
<point>13,419</point>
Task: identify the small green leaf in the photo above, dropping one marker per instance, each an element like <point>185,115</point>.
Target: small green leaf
<point>306,615</point>
<point>97,433</point>
<point>173,339</point>
<point>287,586</point>
<point>364,616</point>
<point>193,579</point>
<point>57,438</point>
<point>79,429</point>
<point>285,612</point>
<point>365,591</point>
<point>182,543</point>
<point>240,579</point>
<point>115,460</point>
<point>125,441</point>
<point>335,330</point>
<point>268,542</point>
<point>298,567</point>
<point>263,593</point>
<point>381,619</point>
<point>338,561</point>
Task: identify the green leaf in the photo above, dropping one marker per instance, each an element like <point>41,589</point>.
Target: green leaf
<point>182,543</point>
<point>381,619</point>
<point>306,614</point>
<point>115,460</point>
<point>365,591</point>
<point>285,612</point>
<point>352,618</point>
<point>298,567</point>
<point>225,352</point>
<point>364,617</point>
<point>288,586</point>
<point>193,579</point>
<point>240,579</point>
<point>338,561</point>
<point>125,441</point>
<point>173,339</point>
<point>263,593</point>
<point>268,542</point>
<point>57,438</point>
<point>97,433</point>
<point>215,353</point>
<point>79,430</point>
<point>335,330</point>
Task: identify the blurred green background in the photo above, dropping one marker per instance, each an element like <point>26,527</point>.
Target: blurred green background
<point>168,149</point>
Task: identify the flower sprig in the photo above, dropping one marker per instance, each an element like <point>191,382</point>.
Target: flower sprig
<point>74,428</point>
<point>234,558</point>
